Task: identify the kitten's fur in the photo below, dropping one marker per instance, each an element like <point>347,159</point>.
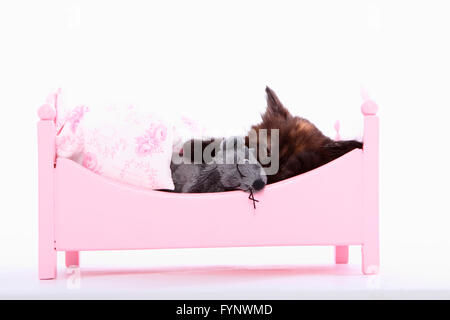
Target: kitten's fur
<point>302,147</point>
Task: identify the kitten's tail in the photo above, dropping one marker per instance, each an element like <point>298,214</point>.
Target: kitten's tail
<point>334,149</point>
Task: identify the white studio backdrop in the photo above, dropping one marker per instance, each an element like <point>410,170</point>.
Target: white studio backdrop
<point>212,60</point>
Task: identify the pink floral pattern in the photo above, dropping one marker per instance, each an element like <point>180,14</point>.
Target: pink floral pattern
<point>90,162</point>
<point>67,145</point>
<point>75,116</point>
<point>153,176</point>
<point>121,142</point>
<point>184,129</point>
<point>151,141</point>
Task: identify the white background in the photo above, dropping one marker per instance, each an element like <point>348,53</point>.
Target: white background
<point>212,60</point>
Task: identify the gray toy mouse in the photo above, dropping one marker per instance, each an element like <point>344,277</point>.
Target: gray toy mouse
<point>233,167</point>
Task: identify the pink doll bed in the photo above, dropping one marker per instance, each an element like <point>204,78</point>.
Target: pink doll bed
<point>336,205</point>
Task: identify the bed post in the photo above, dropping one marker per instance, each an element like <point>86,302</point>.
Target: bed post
<point>46,161</point>
<point>370,246</point>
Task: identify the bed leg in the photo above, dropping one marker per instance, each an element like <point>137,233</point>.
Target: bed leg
<point>72,259</point>
<point>370,259</point>
<point>47,262</point>
<point>341,254</point>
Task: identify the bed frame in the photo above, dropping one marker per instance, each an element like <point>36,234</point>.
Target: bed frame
<point>335,204</point>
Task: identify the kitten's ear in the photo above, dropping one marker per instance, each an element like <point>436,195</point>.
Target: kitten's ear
<point>274,105</point>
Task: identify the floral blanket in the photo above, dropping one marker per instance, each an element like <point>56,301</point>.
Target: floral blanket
<point>123,142</point>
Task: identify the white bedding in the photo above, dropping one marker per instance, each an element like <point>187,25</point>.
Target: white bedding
<point>124,142</point>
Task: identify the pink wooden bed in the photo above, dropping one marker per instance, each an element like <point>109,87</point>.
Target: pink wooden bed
<point>336,204</point>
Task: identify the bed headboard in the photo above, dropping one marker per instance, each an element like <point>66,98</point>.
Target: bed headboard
<point>370,178</point>
<point>46,162</point>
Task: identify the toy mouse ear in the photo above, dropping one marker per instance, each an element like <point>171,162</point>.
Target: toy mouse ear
<point>227,144</point>
<point>232,143</point>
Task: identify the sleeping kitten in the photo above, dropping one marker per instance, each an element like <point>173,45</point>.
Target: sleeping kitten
<point>302,147</point>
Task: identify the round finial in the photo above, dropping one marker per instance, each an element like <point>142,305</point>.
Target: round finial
<point>369,108</point>
<point>337,127</point>
<point>46,112</point>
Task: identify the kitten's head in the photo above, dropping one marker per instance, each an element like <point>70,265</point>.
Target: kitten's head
<point>296,134</point>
